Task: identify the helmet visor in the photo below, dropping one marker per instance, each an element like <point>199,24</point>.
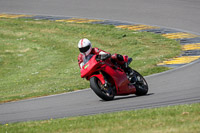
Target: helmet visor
<point>85,49</point>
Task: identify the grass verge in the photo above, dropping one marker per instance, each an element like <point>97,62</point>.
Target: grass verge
<point>39,57</point>
<point>172,119</point>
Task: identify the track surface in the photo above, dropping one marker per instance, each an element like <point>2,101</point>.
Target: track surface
<point>181,14</point>
<point>178,86</point>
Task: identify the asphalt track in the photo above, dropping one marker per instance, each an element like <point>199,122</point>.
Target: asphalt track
<point>178,86</point>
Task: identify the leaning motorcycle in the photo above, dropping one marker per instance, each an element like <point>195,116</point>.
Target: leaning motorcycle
<point>108,79</point>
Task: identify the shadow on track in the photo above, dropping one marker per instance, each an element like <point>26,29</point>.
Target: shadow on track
<point>127,97</point>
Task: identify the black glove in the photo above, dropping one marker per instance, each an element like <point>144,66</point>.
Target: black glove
<point>105,56</point>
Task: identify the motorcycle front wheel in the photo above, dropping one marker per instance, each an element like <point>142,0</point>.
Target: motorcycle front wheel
<point>106,94</point>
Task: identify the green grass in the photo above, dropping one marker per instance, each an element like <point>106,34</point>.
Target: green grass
<point>39,57</point>
<point>174,119</point>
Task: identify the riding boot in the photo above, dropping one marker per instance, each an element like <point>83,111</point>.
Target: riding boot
<point>130,75</point>
<point>127,69</point>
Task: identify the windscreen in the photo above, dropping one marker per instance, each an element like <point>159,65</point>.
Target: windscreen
<point>87,58</point>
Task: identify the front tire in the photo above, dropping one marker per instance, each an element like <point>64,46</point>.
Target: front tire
<point>106,94</point>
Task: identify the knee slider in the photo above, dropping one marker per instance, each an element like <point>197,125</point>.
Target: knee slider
<point>120,57</point>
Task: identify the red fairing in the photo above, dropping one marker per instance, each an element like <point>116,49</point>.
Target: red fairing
<point>89,68</point>
<point>116,75</point>
<point>121,82</point>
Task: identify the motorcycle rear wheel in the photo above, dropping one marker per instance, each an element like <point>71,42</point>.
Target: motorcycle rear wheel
<point>140,85</point>
<point>106,94</point>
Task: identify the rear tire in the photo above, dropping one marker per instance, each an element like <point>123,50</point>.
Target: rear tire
<point>140,85</point>
<point>98,88</point>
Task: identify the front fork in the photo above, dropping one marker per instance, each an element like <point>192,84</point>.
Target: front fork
<point>104,80</point>
<point>106,84</point>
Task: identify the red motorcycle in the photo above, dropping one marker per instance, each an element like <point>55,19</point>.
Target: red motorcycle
<point>108,79</point>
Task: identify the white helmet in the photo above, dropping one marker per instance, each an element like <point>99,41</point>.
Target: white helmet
<point>85,46</point>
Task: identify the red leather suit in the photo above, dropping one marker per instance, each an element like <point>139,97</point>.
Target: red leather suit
<point>116,57</point>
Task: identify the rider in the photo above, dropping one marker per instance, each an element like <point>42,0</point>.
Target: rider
<point>85,48</point>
